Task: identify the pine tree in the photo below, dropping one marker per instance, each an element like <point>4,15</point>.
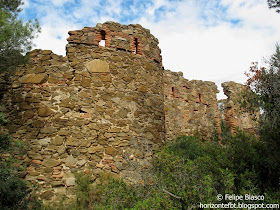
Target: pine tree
<point>274,4</point>
<point>15,35</point>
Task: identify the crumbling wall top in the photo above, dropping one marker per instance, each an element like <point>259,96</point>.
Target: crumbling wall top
<point>131,38</point>
<point>232,111</point>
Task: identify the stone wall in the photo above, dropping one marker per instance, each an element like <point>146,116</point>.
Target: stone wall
<point>190,106</point>
<point>98,107</point>
<point>102,109</point>
<point>131,38</point>
<point>234,115</point>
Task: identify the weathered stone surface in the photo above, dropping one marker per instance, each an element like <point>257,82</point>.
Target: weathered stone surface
<point>72,141</point>
<point>33,78</point>
<point>34,155</point>
<point>28,114</point>
<point>58,140</point>
<point>92,150</point>
<point>47,195</point>
<point>63,132</point>
<point>110,151</point>
<point>44,111</point>
<point>232,112</point>
<point>85,82</point>
<point>51,162</point>
<point>81,162</point>
<point>46,52</point>
<point>40,69</point>
<point>190,106</point>
<point>97,66</point>
<point>70,161</point>
<point>57,183</point>
<point>48,130</point>
<point>70,182</point>
<point>44,142</point>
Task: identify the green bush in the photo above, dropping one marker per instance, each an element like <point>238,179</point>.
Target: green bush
<point>13,190</point>
<point>113,194</point>
<point>14,193</point>
<point>193,170</point>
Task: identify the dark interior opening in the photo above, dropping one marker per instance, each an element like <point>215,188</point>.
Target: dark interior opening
<point>81,111</point>
<point>172,91</point>
<point>103,34</point>
<point>103,38</point>
<point>136,43</point>
<point>199,97</point>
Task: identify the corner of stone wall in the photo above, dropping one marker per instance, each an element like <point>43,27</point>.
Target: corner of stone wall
<point>96,110</point>
<point>232,112</point>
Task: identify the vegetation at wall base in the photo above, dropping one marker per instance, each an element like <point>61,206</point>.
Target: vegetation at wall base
<point>14,191</point>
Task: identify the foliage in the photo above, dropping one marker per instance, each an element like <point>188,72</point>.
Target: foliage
<point>113,194</point>
<point>274,4</point>
<point>15,35</point>
<point>14,192</point>
<point>265,82</point>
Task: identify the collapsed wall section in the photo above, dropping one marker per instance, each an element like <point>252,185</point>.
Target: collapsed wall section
<point>234,115</point>
<point>190,106</point>
<point>99,108</point>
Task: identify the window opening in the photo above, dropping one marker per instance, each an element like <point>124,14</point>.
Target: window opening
<point>103,35</point>
<point>136,50</point>
<point>172,92</point>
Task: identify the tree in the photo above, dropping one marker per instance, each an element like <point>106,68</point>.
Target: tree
<point>274,4</point>
<point>15,40</point>
<point>15,35</point>
<point>265,83</point>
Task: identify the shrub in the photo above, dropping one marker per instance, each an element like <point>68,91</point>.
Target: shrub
<point>193,170</point>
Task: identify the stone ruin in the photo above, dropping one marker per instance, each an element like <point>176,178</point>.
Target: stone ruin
<point>102,109</point>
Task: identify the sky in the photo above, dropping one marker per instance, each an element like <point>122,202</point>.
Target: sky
<point>210,40</point>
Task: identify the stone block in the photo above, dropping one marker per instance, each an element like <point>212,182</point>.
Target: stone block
<point>70,182</point>
<point>46,52</point>
<point>81,162</point>
<point>63,132</point>
<point>85,82</point>
<point>51,162</point>
<point>110,151</point>
<point>71,141</point>
<point>34,78</point>
<point>48,130</point>
<point>28,114</point>
<point>58,140</point>
<point>92,150</point>
<point>40,69</point>
<point>44,142</point>
<point>44,111</point>
<point>97,66</point>
<point>71,161</point>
